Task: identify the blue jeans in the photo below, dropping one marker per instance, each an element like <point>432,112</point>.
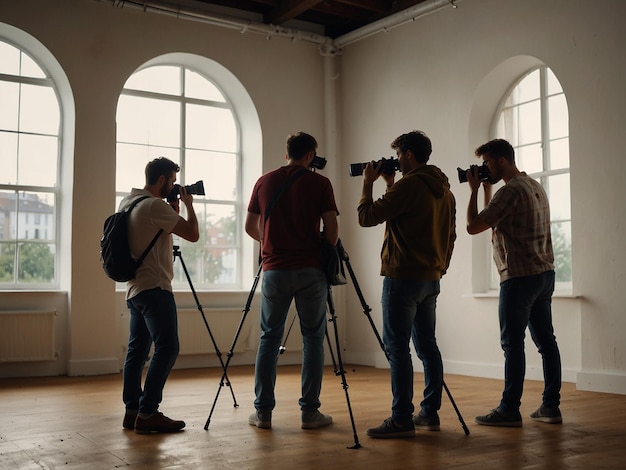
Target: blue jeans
<point>152,319</point>
<point>309,288</point>
<point>409,313</point>
<point>527,302</point>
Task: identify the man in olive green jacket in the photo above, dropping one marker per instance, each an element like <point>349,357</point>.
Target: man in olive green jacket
<point>419,211</point>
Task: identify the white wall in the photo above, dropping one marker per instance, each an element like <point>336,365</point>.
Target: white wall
<point>444,74</point>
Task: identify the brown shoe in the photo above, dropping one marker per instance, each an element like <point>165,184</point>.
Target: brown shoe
<point>129,419</point>
<point>158,422</point>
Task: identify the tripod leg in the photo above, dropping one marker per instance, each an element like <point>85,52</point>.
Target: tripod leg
<point>232,347</point>
<point>206,323</point>
<point>282,347</point>
<point>458,413</point>
<point>344,383</point>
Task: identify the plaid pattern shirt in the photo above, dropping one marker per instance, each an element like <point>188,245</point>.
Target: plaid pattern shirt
<point>519,213</point>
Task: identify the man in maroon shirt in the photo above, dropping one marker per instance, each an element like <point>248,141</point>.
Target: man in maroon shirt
<point>292,269</point>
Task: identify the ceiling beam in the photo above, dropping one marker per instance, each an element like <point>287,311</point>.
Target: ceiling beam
<point>376,6</point>
<point>289,9</point>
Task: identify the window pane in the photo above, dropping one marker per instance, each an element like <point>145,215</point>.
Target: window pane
<point>562,246</point>
<point>131,163</point>
<point>559,154</point>
<point>196,86</point>
<point>507,125</point>
<point>558,188</point>
<point>148,121</point>
<point>558,120</point>
<point>9,105</point>
<point>217,170</point>
<point>160,79</point>
<point>30,68</point>
<point>39,110</point>
<point>7,262</point>
<point>8,158</point>
<point>211,128</point>
<point>38,163</point>
<point>9,59</point>
<point>554,86</point>
<point>530,159</point>
<point>528,89</point>
<point>221,224</point>
<point>529,123</point>
<point>36,262</point>
<point>224,270</point>
<point>35,217</point>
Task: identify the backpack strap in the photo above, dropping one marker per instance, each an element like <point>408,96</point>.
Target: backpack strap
<point>156,237</point>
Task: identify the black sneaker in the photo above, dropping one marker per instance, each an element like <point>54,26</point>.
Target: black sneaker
<point>497,417</point>
<point>129,419</point>
<point>158,422</point>
<point>427,423</point>
<point>391,429</point>
<point>261,419</point>
<point>547,415</point>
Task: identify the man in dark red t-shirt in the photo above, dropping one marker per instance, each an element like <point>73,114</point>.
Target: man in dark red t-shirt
<point>292,269</point>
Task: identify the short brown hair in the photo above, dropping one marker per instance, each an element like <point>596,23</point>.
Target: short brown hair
<point>160,167</point>
<point>415,141</point>
<point>299,144</point>
<point>497,148</point>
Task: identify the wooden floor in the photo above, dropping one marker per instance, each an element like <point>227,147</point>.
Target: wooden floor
<point>75,423</point>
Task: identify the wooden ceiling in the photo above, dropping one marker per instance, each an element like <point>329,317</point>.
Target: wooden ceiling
<point>336,17</point>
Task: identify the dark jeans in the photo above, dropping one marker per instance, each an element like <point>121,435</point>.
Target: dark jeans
<point>152,319</point>
<point>310,290</point>
<point>527,302</point>
<point>409,313</point>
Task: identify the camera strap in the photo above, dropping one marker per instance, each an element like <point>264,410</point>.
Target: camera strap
<point>281,190</point>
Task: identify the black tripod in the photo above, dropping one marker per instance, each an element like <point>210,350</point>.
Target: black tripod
<point>343,255</point>
<point>178,254</point>
<point>339,370</point>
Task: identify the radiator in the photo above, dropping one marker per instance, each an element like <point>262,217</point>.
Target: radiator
<point>27,336</point>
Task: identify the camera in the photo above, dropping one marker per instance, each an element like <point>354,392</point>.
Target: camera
<point>318,162</point>
<point>196,188</point>
<point>483,174</point>
<point>389,166</point>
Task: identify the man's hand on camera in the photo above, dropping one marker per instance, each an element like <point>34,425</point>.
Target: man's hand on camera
<point>472,178</point>
<point>371,172</point>
<point>186,197</point>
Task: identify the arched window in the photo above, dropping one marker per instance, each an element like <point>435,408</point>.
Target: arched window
<point>178,112</point>
<point>30,155</point>
<point>533,117</point>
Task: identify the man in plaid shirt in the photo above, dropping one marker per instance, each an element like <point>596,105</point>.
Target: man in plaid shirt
<point>519,215</point>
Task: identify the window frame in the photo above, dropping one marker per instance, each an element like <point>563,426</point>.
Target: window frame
<point>248,151</point>
<point>51,80</point>
<point>545,140</point>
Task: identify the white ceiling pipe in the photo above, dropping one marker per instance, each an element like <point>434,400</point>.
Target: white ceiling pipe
<point>183,12</point>
<point>327,45</point>
<point>391,21</point>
